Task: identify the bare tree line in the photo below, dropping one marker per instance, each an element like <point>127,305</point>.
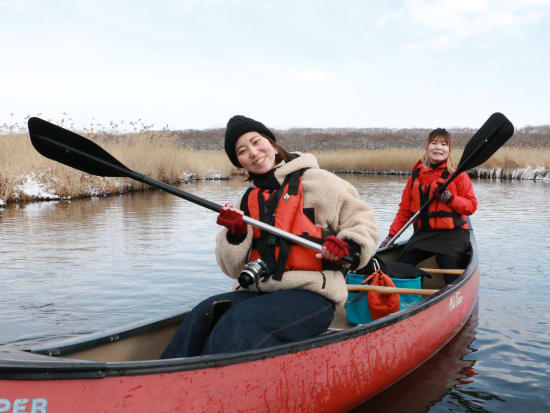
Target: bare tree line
<point>309,139</point>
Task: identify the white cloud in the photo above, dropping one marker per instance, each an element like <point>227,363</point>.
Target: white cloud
<point>389,18</point>
<point>193,64</point>
<point>447,23</point>
<point>313,76</point>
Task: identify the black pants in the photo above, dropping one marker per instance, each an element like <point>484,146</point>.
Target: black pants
<point>253,321</point>
<point>413,257</point>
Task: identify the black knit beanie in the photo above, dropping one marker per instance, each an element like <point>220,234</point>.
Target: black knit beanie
<point>237,126</point>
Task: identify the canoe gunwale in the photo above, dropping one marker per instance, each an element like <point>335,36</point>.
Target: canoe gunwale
<point>65,368</point>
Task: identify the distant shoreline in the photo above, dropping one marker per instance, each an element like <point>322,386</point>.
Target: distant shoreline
<point>299,139</point>
<point>26,176</point>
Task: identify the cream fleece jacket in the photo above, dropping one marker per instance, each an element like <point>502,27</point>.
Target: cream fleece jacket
<point>338,209</point>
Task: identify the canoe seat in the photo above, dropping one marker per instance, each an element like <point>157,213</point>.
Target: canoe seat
<point>340,321</point>
<point>436,281</point>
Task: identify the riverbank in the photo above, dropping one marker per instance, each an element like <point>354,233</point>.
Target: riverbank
<point>26,176</point>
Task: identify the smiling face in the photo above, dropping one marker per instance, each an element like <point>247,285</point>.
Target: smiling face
<point>437,150</point>
<point>255,153</point>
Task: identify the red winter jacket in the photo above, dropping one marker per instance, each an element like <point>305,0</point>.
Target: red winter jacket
<point>440,216</point>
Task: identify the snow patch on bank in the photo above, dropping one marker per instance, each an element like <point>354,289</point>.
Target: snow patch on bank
<point>210,176</point>
<point>215,176</point>
<point>187,177</point>
<point>34,189</point>
<point>356,172</point>
<point>539,173</point>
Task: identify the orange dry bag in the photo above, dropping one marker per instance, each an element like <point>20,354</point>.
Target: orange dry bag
<point>381,305</point>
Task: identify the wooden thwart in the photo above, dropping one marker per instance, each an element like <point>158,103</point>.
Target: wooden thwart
<point>390,290</point>
<point>442,271</point>
<point>396,290</point>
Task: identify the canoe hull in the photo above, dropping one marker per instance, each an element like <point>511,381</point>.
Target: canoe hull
<point>349,368</point>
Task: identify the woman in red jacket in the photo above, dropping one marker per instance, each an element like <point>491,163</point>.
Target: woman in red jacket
<point>441,230</point>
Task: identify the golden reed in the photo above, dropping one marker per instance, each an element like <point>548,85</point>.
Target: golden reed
<point>395,159</point>
<point>158,155</point>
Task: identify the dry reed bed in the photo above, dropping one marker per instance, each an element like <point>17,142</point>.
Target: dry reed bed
<point>395,160</point>
<point>155,155</point>
<point>161,156</point>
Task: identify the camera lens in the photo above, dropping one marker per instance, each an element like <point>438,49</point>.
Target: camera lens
<point>252,272</point>
<point>245,279</point>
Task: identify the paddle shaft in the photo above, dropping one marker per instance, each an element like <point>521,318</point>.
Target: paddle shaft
<point>391,290</point>
<point>189,197</point>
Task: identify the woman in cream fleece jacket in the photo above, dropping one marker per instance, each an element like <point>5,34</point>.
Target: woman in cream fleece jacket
<point>290,302</point>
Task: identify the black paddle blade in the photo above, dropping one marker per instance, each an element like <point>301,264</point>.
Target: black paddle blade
<point>492,135</point>
<point>73,150</point>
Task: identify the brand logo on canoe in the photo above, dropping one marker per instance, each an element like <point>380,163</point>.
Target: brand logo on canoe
<point>455,301</point>
<point>37,405</point>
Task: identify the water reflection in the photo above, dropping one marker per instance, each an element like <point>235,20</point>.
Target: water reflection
<point>432,381</point>
<point>73,267</point>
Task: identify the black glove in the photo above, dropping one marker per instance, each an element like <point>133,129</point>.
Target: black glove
<point>445,196</point>
<point>386,240</point>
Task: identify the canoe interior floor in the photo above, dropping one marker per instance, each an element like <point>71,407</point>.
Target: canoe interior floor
<point>149,346</point>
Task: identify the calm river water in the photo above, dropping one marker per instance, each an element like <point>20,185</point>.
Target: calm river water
<point>73,268</point>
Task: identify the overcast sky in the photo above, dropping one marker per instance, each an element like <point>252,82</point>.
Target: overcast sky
<point>192,64</point>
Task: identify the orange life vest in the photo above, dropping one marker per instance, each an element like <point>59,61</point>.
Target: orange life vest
<point>438,215</point>
<point>283,208</point>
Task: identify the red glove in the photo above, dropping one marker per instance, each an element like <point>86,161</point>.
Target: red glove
<point>336,246</point>
<point>232,220</point>
<point>445,196</point>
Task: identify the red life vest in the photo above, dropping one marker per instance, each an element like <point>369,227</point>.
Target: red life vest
<point>283,208</point>
<point>438,216</point>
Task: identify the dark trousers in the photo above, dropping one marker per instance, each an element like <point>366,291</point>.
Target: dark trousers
<point>253,321</point>
<point>413,257</point>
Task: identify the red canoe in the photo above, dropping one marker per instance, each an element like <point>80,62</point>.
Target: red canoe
<point>120,370</point>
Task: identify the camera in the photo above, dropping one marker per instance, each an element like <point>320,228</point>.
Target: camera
<point>252,272</point>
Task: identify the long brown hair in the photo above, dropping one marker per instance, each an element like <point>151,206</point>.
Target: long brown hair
<point>280,153</point>
<point>436,133</point>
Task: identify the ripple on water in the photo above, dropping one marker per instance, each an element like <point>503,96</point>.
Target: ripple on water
<point>106,262</point>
